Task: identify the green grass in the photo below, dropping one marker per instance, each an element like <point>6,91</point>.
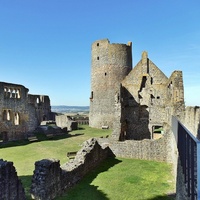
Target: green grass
<point>124,179</point>
<point>134,179</point>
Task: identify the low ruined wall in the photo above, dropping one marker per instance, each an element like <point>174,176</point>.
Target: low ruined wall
<point>64,121</point>
<point>10,186</point>
<point>163,149</point>
<point>51,180</point>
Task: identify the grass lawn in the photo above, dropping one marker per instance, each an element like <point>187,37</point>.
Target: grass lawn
<point>114,179</point>
<point>124,179</point>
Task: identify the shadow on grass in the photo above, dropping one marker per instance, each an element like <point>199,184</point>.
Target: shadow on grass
<point>81,128</point>
<point>14,143</point>
<point>41,137</point>
<point>84,190</point>
<point>26,182</point>
<point>165,197</point>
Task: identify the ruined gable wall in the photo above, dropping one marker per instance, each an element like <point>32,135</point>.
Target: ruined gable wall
<point>145,98</point>
<point>110,64</point>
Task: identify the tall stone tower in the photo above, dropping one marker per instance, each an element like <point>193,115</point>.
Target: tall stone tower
<point>110,65</point>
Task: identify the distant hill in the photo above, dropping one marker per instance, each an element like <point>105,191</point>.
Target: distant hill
<point>69,109</point>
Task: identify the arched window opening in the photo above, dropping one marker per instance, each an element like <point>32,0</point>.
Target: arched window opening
<point>37,100</point>
<point>8,115</point>
<point>18,94</point>
<point>13,94</point>
<point>16,119</point>
<point>9,93</point>
<point>5,92</point>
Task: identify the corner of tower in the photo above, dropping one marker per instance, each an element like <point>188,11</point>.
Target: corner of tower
<point>129,44</point>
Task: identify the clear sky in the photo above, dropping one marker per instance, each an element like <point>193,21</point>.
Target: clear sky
<point>45,45</point>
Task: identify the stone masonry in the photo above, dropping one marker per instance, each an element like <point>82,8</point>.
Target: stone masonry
<point>20,112</point>
<point>51,180</point>
<point>146,96</point>
<point>110,65</point>
<point>10,185</point>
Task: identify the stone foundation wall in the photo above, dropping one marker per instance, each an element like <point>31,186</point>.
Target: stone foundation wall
<point>10,186</point>
<point>51,180</point>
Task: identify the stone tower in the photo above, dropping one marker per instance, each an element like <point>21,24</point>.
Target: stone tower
<point>110,65</point>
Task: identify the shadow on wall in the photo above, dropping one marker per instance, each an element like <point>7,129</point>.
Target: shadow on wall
<point>84,190</point>
<point>135,118</point>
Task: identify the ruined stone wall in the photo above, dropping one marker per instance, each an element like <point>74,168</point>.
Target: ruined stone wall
<point>144,99</point>
<point>42,106</point>
<point>18,114</point>
<point>61,121</point>
<point>10,186</point>
<point>110,64</point>
<point>149,99</point>
<point>51,180</point>
<point>163,149</point>
<point>192,120</point>
<point>65,121</point>
<point>13,110</point>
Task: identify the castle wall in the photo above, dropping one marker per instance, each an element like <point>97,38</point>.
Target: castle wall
<point>42,106</point>
<point>10,186</point>
<point>192,120</point>
<point>149,98</point>
<point>163,149</point>
<point>13,110</point>
<point>19,112</point>
<point>110,64</point>
<point>51,180</point>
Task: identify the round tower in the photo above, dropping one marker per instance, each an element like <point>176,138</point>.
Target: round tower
<point>110,65</point>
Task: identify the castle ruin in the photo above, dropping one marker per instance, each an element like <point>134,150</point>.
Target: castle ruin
<point>133,102</point>
<point>20,112</point>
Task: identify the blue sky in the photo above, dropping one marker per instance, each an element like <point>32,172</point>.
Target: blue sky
<point>45,45</point>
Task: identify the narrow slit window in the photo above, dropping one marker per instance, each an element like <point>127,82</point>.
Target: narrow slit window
<point>8,115</point>
<point>16,119</point>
